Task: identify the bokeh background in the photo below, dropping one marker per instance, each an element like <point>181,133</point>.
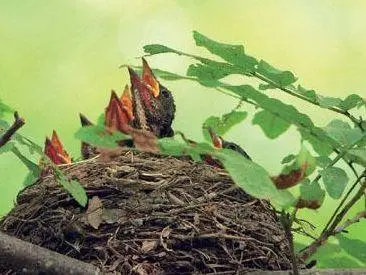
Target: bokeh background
<point>59,58</point>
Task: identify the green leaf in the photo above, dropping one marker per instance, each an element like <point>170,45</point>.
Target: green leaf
<point>350,102</point>
<point>335,180</point>
<point>4,109</point>
<point>30,179</point>
<point>357,155</point>
<point>7,147</point>
<point>288,159</point>
<point>211,71</point>
<point>342,132</point>
<point>331,255</point>
<point>326,101</point>
<point>305,158</point>
<point>263,86</point>
<point>321,142</point>
<point>253,179</point>
<point>221,125</point>
<point>153,49</point>
<point>32,167</point>
<point>98,136</point>
<point>159,73</point>
<point>312,192</point>
<point>31,145</point>
<point>319,145</point>
<point>76,190</point>
<point>354,247</point>
<point>309,94</point>
<point>233,54</point>
<point>323,161</point>
<point>282,78</point>
<point>272,125</point>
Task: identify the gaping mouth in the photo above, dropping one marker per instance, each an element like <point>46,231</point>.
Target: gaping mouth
<point>140,91</point>
<point>216,140</point>
<point>118,114</point>
<point>55,150</point>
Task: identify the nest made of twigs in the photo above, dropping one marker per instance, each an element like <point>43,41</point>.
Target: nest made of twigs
<point>150,215</point>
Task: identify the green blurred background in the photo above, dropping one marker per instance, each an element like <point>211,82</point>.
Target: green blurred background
<point>59,58</point>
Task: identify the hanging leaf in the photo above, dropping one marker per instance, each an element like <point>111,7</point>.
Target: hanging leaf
<point>253,179</point>
<point>309,94</point>
<point>326,101</point>
<point>288,159</point>
<point>282,78</point>
<point>233,54</point>
<point>357,155</point>
<point>221,125</point>
<point>343,133</point>
<point>7,147</point>
<point>34,169</point>
<point>99,136</point>
<point>354,247</point>
<point>311,195</point>
<point>323,161</point>
<point>350,102</point>
<point>5,109</point>
<point>302,166</point>
<point>272,125</point>
<point>335,180</point>
<point>157,49</point>
<point>75,189</point>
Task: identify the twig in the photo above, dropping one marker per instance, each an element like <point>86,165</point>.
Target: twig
<point>286,221</point>
<point>19,122</point>
<point>33,259</point>
<point>342,203</point>
<point>357,218</point>
<point>331,230</point>
<point>288,91</point>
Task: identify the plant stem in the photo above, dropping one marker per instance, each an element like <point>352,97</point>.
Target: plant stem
<point>18,122</point>
<point>331,229</point>
<point>286,222</point>
<point>288,91</point>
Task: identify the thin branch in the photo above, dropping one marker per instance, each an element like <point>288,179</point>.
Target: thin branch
<point>288,91</point>
<point>18,122</point>
<point>357,218</point>
<point>342,203</point>
<point>331,230</point>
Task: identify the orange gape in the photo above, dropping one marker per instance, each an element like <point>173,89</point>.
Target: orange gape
<point>118,114</point>
<point>55,151</point>
<point>149,79</point>
<point>127,103</point>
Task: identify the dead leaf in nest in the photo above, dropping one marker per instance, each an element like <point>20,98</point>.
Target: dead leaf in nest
<point>94,212</point>
<point>166,232</point>
<point>148,246</point>
<point>144,140</point>
<point>111,216</point>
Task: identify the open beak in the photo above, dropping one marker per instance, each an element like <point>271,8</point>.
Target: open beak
<point>55,151</point>
<point>149,78</point>
<point>140,91</point>
<point>127,103</point>
<point>117,115</point>
<point>216,140</point>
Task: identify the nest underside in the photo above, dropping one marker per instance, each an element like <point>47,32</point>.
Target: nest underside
<point>158,215</point>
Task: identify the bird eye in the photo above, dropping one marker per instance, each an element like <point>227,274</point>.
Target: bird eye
<point>165,93</point>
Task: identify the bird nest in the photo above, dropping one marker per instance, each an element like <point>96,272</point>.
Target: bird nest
<point>151,214</point>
